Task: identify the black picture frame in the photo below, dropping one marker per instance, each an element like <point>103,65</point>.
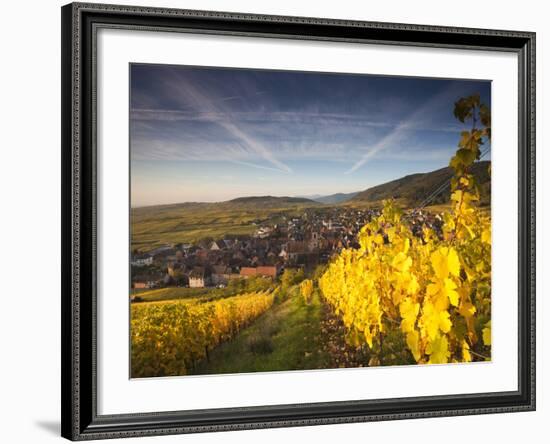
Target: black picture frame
<point>80,420</point>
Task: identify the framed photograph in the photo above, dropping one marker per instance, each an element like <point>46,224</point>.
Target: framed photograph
<point>281,221</point>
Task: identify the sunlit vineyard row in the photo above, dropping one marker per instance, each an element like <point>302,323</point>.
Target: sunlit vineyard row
<point>432,293</point>
<point>171,338</point>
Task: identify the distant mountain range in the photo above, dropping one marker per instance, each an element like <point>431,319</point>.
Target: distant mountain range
<point>410,190</point>
<point>332,198</point>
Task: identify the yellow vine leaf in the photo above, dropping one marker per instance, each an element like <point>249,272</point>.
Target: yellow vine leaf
<point>486,235</point>
<point>413,287</point>
<point>445,261</point>
<point>409,311</point>
<point>413,339</point>
<point>434,320</point>
<point>439,297</point>
<point>401,262</point>
<point>443,292</point>
<point>445,323</point>
<point>487,333</point>
<point>467,309</point>
<point>438,349</point>
<point>450,292</point>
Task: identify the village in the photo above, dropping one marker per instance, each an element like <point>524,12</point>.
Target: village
<point>294,242</point>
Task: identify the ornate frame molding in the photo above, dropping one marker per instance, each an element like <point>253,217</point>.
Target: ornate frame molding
<point>80,22</point>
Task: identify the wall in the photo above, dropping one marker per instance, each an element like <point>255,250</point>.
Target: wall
<point>30,235</point>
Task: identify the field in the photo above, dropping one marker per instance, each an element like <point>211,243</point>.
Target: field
<point>188,223</point>
<point>198,294</point>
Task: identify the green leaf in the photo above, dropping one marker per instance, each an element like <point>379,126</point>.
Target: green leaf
<point>485,115</point>
<point>466,156</point>
<point>463,109</point>
<point>471,140</point>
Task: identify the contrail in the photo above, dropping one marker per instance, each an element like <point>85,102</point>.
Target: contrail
<point>255,165</point>
<point>399,131</point>
<point>185,88</point>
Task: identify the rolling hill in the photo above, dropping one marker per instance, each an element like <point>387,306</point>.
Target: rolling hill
<point>267,201</point>
<point>334,198</point>
<point>192,221</point>
<point>413,189</point>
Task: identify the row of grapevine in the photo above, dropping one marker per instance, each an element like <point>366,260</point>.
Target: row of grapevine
<point>169,338</point>
<point>306,289</point>
<point>433,290</point>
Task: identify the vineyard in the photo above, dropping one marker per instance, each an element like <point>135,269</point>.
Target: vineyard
<point>399,296</point>
<point>171,337</point>
<point>431,292</point>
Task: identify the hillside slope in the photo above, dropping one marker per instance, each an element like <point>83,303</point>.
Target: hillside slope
<point>267,202</point>
<point>413,189</point>
<point>335,198</point>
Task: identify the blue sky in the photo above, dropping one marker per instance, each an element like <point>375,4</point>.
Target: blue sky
<point>212,134</point>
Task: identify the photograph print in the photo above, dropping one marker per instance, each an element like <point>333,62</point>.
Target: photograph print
<point>287,220</point>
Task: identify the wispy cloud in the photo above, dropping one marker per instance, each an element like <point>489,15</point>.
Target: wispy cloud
<point>188,92</point>
<point>286,117</point>
<point>254,165</point>
<point>258,126</point>
<point>189,149</point>
<point>254,144</point>
<point>398,134</point>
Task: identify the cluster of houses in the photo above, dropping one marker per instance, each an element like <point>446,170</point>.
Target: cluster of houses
<point>418,219</point>
<point>303,241</point>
